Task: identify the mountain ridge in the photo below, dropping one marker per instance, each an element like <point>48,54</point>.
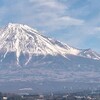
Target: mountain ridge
<point>22,38</point>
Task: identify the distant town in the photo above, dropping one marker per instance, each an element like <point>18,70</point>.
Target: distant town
<point>84,95</point>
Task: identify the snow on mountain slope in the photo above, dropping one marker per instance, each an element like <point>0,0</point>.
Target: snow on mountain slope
<point>88,53</point>
<point>23,39</point>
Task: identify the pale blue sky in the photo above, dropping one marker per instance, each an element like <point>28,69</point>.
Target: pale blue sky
<point>75,22</point>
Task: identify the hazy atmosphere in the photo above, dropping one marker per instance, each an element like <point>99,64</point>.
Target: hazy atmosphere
<point>49,50</point>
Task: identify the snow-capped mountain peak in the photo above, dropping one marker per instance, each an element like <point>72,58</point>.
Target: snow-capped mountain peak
<point>23,39</point>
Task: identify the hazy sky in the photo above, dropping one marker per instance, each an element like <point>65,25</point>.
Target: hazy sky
<point>75,22</point>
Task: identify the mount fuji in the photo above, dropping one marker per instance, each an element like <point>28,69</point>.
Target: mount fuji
<point>27,57</point>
